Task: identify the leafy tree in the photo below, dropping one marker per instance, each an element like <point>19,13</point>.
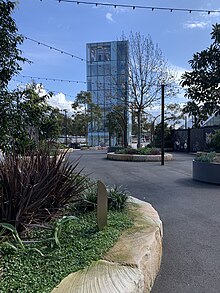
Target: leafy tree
<point>10,60</point>
<point>146,125</point>
<point>29,119</point>
<point>49,127</point>
<point>87,112</point>
<point>80,125</point>
<point>203,81</point>
<point>117,125</point>
<point>66,124</point>
<point>25,116</point>
<point>10,55</point>
<point>168,142</point>
<point>148,70</point>
<point>173,114</point>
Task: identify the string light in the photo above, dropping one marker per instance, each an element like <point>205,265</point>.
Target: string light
<point>49,90</point>
<point>61,51</point>
<point>98,83</point>
<point>53,79</point>
<point>55,49</point>
<point>141,7</point>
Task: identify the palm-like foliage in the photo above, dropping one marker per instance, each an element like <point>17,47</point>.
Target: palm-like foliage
<point>35,188</point>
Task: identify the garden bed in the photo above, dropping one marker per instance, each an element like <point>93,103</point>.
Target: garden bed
<point>48,225</point>
<point>41,266</point>
<point>131,265</point>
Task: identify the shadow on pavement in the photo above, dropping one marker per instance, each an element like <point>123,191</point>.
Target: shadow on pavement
<point>196,184</point>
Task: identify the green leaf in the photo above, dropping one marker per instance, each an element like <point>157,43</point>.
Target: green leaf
<point>14,233</point>
<point>58,226</point>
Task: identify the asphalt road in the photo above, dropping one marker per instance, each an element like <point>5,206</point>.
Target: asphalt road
<point>190,212</point>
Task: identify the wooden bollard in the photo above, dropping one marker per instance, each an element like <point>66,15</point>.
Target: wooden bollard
<point>102,205</point>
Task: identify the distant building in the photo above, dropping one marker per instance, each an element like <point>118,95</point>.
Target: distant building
<point>214,120</point>
<point>107,80</point>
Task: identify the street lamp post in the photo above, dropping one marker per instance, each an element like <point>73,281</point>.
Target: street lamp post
<point>162,124</point>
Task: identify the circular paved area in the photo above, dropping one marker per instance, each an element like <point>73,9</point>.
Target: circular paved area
<point>190,212</point>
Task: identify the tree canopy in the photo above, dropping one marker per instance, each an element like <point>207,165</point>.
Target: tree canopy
<point>148,70</point>
<point>28,118</point>
<point>203,82</point>
<point>87,113</point>
<point>10,54</point>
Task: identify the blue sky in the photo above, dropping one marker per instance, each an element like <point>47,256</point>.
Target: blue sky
<point>68,26</point>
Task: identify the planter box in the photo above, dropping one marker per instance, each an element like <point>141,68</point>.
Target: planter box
<point>206,172</point>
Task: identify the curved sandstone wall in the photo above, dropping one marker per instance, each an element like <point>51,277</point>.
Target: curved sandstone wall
<point>138,158</point>
<point>131,265</point>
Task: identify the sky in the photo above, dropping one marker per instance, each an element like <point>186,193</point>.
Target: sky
<point>68,27</point>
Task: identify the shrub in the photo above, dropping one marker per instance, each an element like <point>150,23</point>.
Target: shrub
<point>117,199</point>
<point>206,157</point>
<point>51,145</point>
<point>88,200</point>
<point>37,187</point>
<point>168,140</point>
<point>140,151</point>
<point>148,151</point>
<point>144,151</point>
<point>155,151</point>
<point>128,151</point>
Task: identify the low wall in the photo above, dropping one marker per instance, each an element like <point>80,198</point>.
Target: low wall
<point>131,265</point>
<point>138,158</point>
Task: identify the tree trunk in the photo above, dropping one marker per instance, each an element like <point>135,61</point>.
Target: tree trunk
<point>125,132</point>
<point>139,129</point>
<point>152,130</point>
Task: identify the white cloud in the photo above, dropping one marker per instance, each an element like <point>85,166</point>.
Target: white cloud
<point>59,101</point>
<point>56,100</point>
<point>179,71</point>
<point>202,21</point>
<point>195,24</point>
<point>109,17</point>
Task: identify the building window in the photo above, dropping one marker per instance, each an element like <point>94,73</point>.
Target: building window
<point>93,54</point>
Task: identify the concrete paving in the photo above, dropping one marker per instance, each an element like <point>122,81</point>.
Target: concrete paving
<point>190,212</point>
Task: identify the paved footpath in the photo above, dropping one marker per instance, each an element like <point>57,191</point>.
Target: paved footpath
<point>190,212</point>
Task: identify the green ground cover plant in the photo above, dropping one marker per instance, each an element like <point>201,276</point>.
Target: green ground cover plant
<point>42,265</point>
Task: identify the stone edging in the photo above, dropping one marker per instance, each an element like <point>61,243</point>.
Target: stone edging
<point>138,158</point>
<point>131,265</point>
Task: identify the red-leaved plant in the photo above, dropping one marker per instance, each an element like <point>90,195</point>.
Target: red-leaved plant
<point>35,188</point>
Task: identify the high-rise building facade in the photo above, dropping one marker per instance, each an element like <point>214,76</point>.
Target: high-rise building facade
<point>107,80</point>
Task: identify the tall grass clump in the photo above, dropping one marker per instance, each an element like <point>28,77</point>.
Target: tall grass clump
<point>117,199</point>
<point>35,188</point>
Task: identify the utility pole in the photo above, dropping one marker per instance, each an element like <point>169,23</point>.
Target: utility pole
<point>162,124</point>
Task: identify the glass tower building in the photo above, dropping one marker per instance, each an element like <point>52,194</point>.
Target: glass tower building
<point>107,80</point>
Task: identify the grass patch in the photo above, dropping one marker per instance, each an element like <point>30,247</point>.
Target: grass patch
<point>81,243</point>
